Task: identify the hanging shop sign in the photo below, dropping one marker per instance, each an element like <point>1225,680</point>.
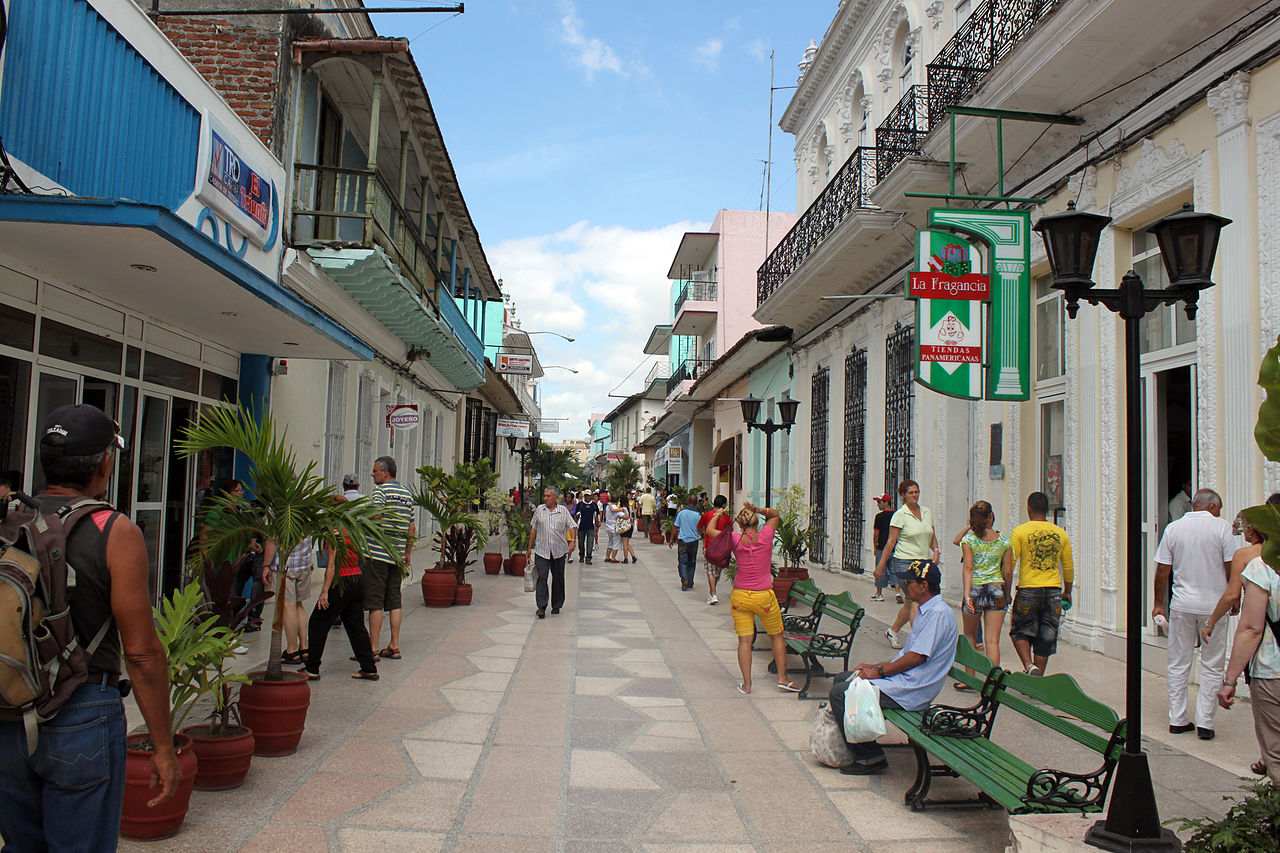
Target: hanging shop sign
<point>1005,236</point>
<point>516,427</point>
<point>949,287</point>
<point>403,416</point>
<point>548,426</point>
<point>237,187</point>
<point>518,363</point>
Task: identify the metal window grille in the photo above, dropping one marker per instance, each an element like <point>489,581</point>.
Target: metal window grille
<point>855,457</point>
<point>820,388</point>
<point>335,437</point>
<point>471,432</point>
<point>899,399</point>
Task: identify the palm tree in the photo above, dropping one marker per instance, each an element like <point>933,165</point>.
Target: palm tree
<point>289,505</point>
<point>622,476</point>
<point>559,468</point>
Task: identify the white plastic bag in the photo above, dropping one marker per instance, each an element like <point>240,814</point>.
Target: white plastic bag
<point>826,739</point>
<point>530,576</point>
<point>863,719</point>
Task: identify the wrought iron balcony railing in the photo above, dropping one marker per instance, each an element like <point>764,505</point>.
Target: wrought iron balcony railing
<point>697,290</point>
<point>690,368</point>
<point>903,130</point>
<point>355,208</point>
<point>848,190</point>
<point>989,35</point>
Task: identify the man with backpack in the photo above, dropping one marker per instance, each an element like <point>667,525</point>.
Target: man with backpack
<point>62,745</point>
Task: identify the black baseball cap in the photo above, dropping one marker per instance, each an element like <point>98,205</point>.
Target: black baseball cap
<point>80,430</point>
<point>924,570</point>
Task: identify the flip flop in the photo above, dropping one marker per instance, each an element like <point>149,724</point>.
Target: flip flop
<point>390,653</point>
<point>743,690</point>
<point>360,675</point>
<point>1259,768</point>
<point>789,687</point>
<point>961,686</point>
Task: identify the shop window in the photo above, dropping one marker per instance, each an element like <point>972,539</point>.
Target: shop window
<point>133,362</point>
<point>15,394</point>
<point>1166,326</point>
<point>162,370</point>
<point>215,386</point>
<point>1053,453</point>
<point>1051,331</point>
<point>58,340</point>
<point>17,328</point>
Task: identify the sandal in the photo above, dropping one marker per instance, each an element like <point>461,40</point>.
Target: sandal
<point>743,690</point>
<point>1259,768</point>
<point>390,653</point>
<point>361,675</point>
<point>291,657</point>
<point>789,687</point>
<point>961,686</point>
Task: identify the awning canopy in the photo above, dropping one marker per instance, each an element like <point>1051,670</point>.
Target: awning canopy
<point>374,280</point>
<point>499,394</point>
<point>659,342</point>
<point>146,258</point>
<point>692,253</point>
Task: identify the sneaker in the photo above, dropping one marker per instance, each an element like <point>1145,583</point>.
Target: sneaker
<point>878,597</point>
<point>1034,671</point>
<point>892,637</point>
<point>241,650</point>
<point>898,595</point>
<point>715,599</point>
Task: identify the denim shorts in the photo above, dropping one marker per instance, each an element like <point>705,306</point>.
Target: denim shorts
<point>1036,615</point>
<point>988,597</point>
<point>896,571</point>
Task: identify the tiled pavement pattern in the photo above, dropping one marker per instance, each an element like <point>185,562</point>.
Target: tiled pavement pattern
<point>613,726</point>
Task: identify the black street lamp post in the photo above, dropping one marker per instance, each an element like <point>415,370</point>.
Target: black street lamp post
<point>751,414</point>
<point>523,451</point>
<point>1188,243</point>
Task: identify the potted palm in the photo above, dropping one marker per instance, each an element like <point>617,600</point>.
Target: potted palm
<point>290,505</point>
<point>792,539</point>
<point>497,504</point>
<point>197,649</point>
<point>450,500</point>
<point>517,541</point>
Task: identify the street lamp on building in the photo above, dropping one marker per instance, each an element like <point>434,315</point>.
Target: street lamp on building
<point>559,367</point>
<point>556,334</point>
<point>751,415</point>
<point>1188,243</point>
<point>523,452</point>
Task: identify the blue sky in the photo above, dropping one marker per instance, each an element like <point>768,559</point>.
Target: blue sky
<point>588,136</point>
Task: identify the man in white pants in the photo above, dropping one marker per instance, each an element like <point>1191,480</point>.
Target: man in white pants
<point>1197,550</point>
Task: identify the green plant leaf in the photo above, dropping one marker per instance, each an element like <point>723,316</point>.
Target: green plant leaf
<point>1267,431</point>
<point>1266,520</point>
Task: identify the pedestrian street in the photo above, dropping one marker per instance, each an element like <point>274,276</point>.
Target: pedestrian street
<point>611,726</point>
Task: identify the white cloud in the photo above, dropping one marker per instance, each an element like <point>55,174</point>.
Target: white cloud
<point>708,53</point>
<point>604,285</point>
<point>758,49</point>
<point>592,53</point>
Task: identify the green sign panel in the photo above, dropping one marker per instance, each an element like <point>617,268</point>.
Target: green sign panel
<point>1006,235</point>
<point>949,289</point>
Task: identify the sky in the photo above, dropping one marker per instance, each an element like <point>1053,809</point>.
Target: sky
<point>588,136</point>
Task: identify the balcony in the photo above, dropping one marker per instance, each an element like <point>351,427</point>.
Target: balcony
<point>903,130</point>
<point>689,370</point>
<point>660,370</point>
<point>696,308</point>
<point>340,208</point>
<point>462,330</point>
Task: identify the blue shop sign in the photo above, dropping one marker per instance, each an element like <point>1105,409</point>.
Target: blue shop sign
<point>231,176</point>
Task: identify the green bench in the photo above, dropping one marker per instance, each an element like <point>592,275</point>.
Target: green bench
<point>809,643</point>
<point>960,739</point>
<point>804,594</point>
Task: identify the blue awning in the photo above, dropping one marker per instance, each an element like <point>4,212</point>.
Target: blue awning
<point>145,258</point>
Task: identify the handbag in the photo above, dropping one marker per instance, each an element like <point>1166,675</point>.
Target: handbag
<point>863,718</point>
<point>826,739</point>
<point>719,548</point>
<point>623,525</point>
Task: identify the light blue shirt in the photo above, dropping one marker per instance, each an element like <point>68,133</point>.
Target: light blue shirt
<point>933,635</point>
<point>687,523</point>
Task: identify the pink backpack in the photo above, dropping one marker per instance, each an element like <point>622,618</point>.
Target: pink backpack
<point>720,548</point>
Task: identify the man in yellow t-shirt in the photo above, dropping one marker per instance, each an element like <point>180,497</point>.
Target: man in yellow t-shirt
<point>647,507</point>
<point>1045,573</point>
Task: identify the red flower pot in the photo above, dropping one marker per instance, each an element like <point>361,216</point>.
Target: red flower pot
<point>492,563</point>
<point>506,565</point>
<point>462,594</point>
<point>782,589</point>
<point>224,759</point>
<point>144,822</point>
<point>276,711</point>
<point>518,563</point>
<point>798,573</point>
<point>439,586</point>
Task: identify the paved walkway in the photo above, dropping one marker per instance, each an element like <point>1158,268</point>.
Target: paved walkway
<point>613,726</point>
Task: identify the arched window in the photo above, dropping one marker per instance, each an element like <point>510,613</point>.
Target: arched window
<point>861,109</point>
<point>904,59</point>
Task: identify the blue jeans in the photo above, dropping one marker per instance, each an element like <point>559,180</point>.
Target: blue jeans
<point>688,556</point>
<point>68,796</point>
<point>887,580</point>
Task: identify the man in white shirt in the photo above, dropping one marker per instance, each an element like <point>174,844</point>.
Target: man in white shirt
<point>549,545</point>
<point>1180,504</point>
<point>1197,550</point>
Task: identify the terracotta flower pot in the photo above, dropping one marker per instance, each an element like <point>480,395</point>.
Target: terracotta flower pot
<point>462,594</point>
<point>656,537</point>
<point>798,573</point>
<point>518,563</point>
<point>276,711</point>
<point>438,587</point>
<point>140,821</point>
<point>506,565</point>
<point>782,589</point>
<point>224,759</point>
<point>492,563</point>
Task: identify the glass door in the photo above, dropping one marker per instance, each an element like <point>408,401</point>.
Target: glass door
<point>151,459</point>
<point>53,390</point>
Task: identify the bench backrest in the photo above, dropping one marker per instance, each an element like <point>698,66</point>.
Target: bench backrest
<point>1044,699</point>
<point>968,656</point>
<point>843,609</point>
<point>806,593</point>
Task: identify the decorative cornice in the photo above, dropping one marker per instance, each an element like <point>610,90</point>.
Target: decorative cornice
<point>1229,101</point>
<point>1147,177</point>
<point>934,12</point>
<point>845,27</point>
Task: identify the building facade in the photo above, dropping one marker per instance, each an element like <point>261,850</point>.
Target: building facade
<point>1162,114</point>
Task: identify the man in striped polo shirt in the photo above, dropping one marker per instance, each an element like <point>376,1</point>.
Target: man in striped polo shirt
<point>382,576</point>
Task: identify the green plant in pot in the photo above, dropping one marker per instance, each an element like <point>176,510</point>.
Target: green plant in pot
<point>793,537</point>
<point>196,648</point>
<point>453,501</point>
<point>497,506</point>
<point>518,531</point>
<point>290,503</point>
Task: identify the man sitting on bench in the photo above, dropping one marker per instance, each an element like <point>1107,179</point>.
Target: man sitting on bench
<point>913,679</point>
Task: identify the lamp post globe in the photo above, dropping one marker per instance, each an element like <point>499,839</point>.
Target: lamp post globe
<point>1071,242</point>
<point>787,408</point>
<point>750,409</point>
<point>1188,245</point>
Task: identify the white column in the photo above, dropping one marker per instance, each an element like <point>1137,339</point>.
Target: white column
<point>1268,139</point>
<point>1241,481</point>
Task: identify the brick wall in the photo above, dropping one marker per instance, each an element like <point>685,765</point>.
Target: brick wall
<point>242,63</point>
